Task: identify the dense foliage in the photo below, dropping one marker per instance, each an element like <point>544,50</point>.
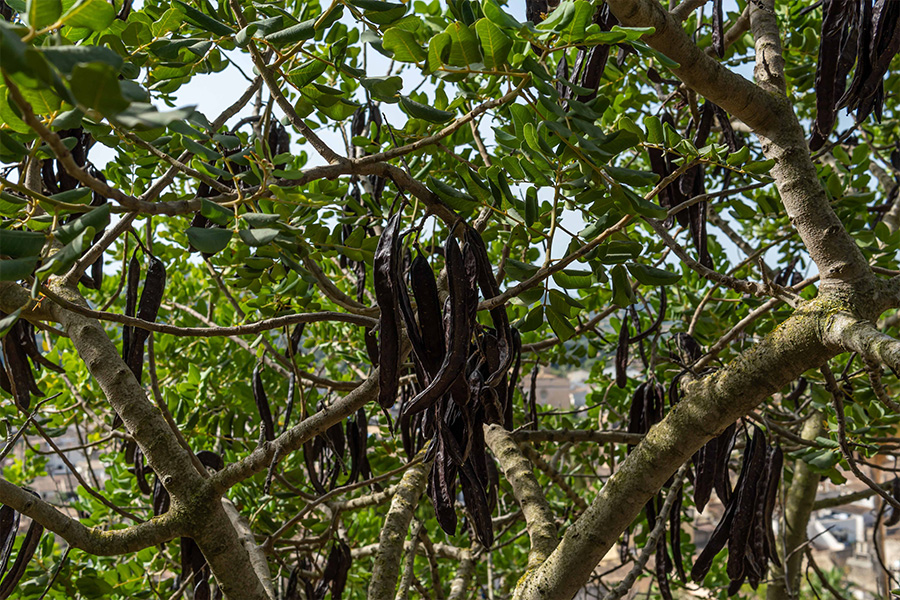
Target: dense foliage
<point>429,203</point>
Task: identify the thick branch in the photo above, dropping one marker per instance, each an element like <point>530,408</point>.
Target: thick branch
<point>92,540</point>
<point>518,472</point>
<point>393,533</point>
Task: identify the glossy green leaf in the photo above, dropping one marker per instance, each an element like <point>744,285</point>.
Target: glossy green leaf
<point>16,243</point>
<point>95,15</point>
<point>41,13</point>
<point>257,237</point>
<point>208,240</point>
<point>96,85</point>
<point>17,268</point>
<point>495,45</point>
<point>648,275</point>
<point>403,45</point>
<point>464,47</point>
<point>424,111</point>
<point>204,21</point>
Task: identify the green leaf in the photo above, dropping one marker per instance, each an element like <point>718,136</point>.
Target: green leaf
<point>20,244</point>
<point>204,21</point>
<point>518,270</point>
<point>96,85</point>
<point>632,176</point>
<point>8,321</point>
<point>215,213</point>
<point>383,88</point>
<point>208,240</point>
<point>654,128</point>
<point>95,15</point>
<point>560,324</point>
<point>651,275</point>
<point>170,20</point>
<point>17,268</point>
<point>65,58</point>
<point>438,51</point>
<point>450,194</point>
<point>259,220</point>
<point>145,116</point>
<point>424,111</point>
<point>97,218</point>
<point>257,237</point>
<point>561,16</point>
<point>498,16</point>
<point>403,45</point>
<point>495,44</point>
<point>532,320</point>
<point>622,292</point>
<point>575,30</point>
<point>759,167</point>
<point>296,33</point>
<point>68,254</point>
<point>736,158</point>
<point>41,13</point>
<point>531,206</point>
<point>464,46</point>
<point>573,279</point>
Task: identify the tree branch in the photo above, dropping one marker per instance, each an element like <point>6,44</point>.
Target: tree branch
<point>393,532</point>
<point>518,472</point>
<point>92,540</point>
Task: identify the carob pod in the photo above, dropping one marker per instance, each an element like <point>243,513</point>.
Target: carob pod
<point>161,500</point>
<point>148,308</point>
<point>705,477</point>
<point>23,332</point>
<point>675,534</point>
<point>140,473</point>
<point>720,534</point>
<point>9,525</point>
<point>771,497</point>
<point>26,552</point>
<point>357,437</point>
<point>442,488</point>
<point>334,576</point>
<point>132,281</point>
<point>745,499</point>
<point>490,289</point>
<point>428,311</point>
<point>894,517</point>
<point>622,354</point>
<point>288,411</point>
<point>718,29</point>
<point>476,505</point>
<point>262,404</point>
<point>663,567</point>
<point>459,332</point>
<point>724,446</point>
<point>386,284</point>
<point>21,378</point>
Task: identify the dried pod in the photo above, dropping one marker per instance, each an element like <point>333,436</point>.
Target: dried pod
<point>262,404</point>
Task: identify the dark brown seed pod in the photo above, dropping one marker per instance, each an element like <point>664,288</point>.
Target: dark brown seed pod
<point>489,289</point>
<point>476,506</point>
<point>771,498</point>
<point>442,490</point>
<point>21,379</point>
<point>459,333</point>
<point>26,552</point>
<point>288,411</point>
<point>722,483</point>
<point>211,460</point>
<point>720,534</point>
<point>745,499</point>
<point>662,572</point>
<point>262,404</point>
<point>23,333</point>
<point>705,477</point>
<point>562,74</point>
<point>428,311</point>
<point>133,279</point>
<point>386,294</point>
<point>622,354</point>
<point>675,534</point>
<point>9,525</point>
<point>334,576</point>
<point>161,498</point>
<point>140,473</point>
<point>718,29</point>
<point>148,308</point>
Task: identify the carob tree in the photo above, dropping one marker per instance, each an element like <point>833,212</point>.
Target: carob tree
<point>297,348</point>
